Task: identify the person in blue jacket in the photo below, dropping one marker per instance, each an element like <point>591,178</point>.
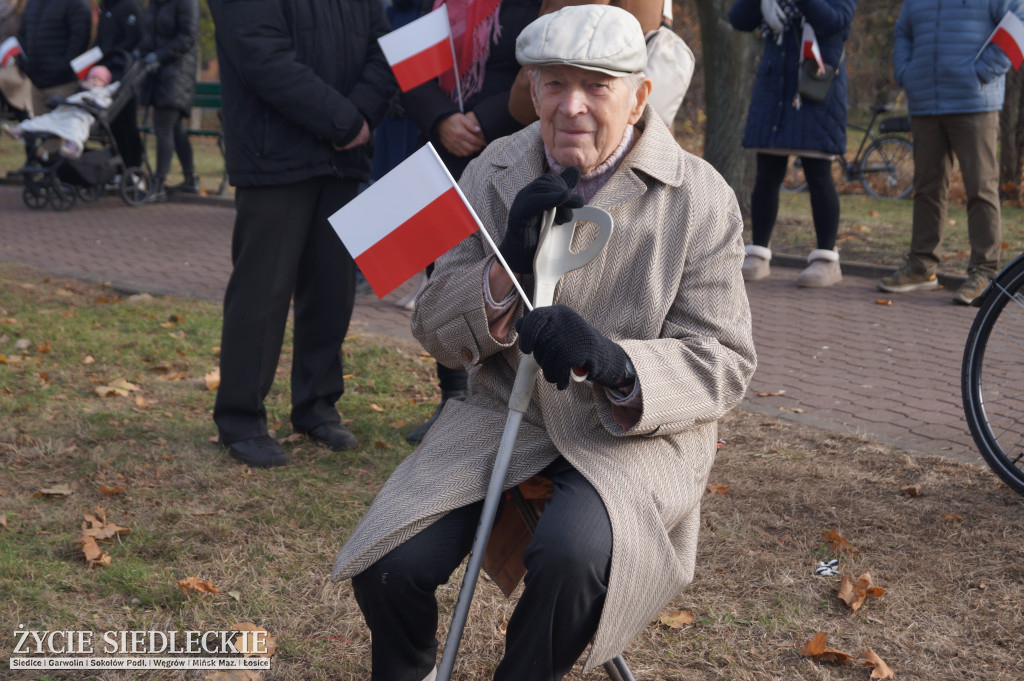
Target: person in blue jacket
<point>781,123</point>
<point>954,83</point>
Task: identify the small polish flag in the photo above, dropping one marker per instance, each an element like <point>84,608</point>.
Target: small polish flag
<point>1009,37</point>
<point>420,50</point>
<point>404,221</point>
<point>85,61</point>
<point>9,49</point>
<point>810,49</point>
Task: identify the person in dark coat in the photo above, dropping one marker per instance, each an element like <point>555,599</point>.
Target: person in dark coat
<point>302,84</point>
<point>118,34</point>
<point>171,38</point>
<point>781,123</point>
<point>459,136</point>
<point>51,34</point>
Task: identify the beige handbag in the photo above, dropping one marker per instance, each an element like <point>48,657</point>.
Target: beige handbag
<point>670,68</point>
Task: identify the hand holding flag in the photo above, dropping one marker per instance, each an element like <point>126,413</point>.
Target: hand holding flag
<point>809,48</point>
<point>420,50</point>
<point>9,49</point>
<point>1009,37</point>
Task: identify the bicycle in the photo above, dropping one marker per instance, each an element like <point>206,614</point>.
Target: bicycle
<point>885,166</point>
<point>992,375</point>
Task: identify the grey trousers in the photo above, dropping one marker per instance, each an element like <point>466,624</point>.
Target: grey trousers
<point>568,562</point>
<point>972,137</point>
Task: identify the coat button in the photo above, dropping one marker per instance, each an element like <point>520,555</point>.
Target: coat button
<point>466,354</point>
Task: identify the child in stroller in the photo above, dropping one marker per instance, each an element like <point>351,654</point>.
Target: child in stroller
<point>73,118</point>
<point>71,152</point>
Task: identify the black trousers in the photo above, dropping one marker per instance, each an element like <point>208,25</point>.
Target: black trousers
<point>568,563</point>
<point>764,200</point>
<point>125,128</point>
<point>171,138</point>
<point>282,246</point>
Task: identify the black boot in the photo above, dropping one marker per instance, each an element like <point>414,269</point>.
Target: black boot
<point>159,192</point>
<point>420,431</point>
<point>189,186</point>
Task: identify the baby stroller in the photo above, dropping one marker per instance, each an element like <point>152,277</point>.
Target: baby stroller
<point>51,179</point>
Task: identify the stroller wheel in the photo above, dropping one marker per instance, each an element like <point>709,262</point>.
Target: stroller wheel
<point>90,193</point>
<point>35,196</point>
<point>62,196</point>
<point>136,185</point>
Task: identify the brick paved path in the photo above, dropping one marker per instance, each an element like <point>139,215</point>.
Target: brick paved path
<point>839,360</point>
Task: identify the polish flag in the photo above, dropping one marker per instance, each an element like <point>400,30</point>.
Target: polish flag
<point>9,49</point>
<point>1009,37</point>
<point>810,49</point>
<point>404,221</point>
<point>420,50</point>
<point>85,61</point>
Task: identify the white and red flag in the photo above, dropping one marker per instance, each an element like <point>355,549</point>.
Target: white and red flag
<point>404,221</point>
<point>420,50</point>
<point>9,49</point>
<point>809,47</point>
<point>85,61</point>
<point>1009,37</point>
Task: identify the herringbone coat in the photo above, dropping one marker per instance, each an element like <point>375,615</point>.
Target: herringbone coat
<point>667,287</point>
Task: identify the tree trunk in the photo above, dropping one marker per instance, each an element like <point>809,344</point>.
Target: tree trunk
<point>1011,136</point>
<point>730,59</point>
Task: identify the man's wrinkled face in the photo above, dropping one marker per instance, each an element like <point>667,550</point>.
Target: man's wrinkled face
<point>583,113</point>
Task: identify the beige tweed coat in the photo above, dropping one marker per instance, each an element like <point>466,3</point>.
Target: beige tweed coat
<point>668,289</point>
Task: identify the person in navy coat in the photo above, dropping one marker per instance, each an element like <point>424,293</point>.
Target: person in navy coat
<point>781,123</point>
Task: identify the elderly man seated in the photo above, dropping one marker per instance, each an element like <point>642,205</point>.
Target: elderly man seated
<point>660,321</point>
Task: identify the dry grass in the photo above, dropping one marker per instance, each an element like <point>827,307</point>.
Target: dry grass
<point>949,559</point>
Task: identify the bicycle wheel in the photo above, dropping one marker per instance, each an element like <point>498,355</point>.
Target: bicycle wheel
<point>887,171</point>
<point>794,181</point>
<point>992,377</point>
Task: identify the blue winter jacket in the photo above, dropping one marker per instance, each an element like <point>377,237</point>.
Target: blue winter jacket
<point>772,120</point>
<point>936,55</point>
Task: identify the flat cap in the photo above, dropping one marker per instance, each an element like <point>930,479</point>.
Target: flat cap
<point>594,37</point>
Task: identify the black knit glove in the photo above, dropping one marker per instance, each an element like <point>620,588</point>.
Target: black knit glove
<point>560,339</point>
<point>523,232</point>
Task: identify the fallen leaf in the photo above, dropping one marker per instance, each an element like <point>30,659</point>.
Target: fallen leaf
<point>911,490</point>
<point>397,424</point>
<point>88,359</point>
<point>853,593</point>
<point>883,301</point>
<point>838,543</point>
<point>951,516</point>
<point>715,488</point>
<point>8,320</point>
<point>140,298</point>
<point>881,669</point>
<point>675,619</point>
<point>45,347</point>
<point>94,556</point>
<point>771,394</point>
<point>248,644</point>
<point>22,344</point>
<point>142,403</point>
<point>61,490</point>
<point>111,490</point>
<point>817,650</point>
<point>197,585</point>
<point>212,379</point>
<point>380,444</point>
<point>377,407</point>
<point>234,594</point>
<point>119,387</point>
<point>873,213</point>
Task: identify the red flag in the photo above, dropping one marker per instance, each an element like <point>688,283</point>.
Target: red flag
<point>404,221</point>
<point>85,61</point>
<point>1009,37</point>
<point>420,50</point>
<point>810,49</point>
<point>9,49</point>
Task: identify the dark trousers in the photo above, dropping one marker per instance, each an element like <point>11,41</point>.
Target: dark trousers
<point>171,138</point>
<point>764,201</point>
<point>125,128</point>
<point>568,562</point>
<point>282,246</point>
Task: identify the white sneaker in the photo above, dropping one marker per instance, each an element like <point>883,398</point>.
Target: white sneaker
<point>823,269</point>
<point>756,264</point>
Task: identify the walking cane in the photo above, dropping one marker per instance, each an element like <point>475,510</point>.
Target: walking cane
<point>554,258</point>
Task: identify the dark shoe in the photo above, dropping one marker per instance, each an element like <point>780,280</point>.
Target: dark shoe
<point>159,193</point>
<point>907,279</point>
<point>334,436</point>
<point>420,431</point>
<point>189,186</point>
<point>973,287</point>
<point>261,451</point>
